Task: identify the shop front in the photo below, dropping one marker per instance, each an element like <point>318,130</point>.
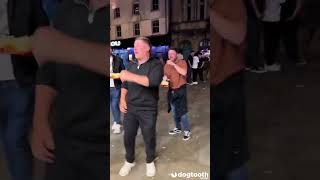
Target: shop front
<point>124,48</point>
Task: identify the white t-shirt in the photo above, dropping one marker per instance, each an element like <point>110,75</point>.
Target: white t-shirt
<point>272,10</point>
<point>195,62</point>
<point>6,72</point>
<point>111,71</point>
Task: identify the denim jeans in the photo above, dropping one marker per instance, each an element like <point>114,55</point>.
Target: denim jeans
<point>114,104</point>
<point>184,119</point>
<point>16,111</point>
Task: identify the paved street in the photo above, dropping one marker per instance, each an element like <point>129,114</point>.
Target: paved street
<point>283,115</point>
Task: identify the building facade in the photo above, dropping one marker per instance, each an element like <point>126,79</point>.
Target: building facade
<point>190,25</point>
<point>133,18</point>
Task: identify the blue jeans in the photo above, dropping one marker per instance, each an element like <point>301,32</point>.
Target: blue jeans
<point>240,173</point>
<point>184,119</point>
<point>114,104</point>
<point>16,111</point>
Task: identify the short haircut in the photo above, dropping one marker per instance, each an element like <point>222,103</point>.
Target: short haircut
<point>145,40</point>
<point>173,49</point>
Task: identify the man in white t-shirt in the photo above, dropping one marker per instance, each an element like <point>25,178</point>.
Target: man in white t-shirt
<point>195,64</point>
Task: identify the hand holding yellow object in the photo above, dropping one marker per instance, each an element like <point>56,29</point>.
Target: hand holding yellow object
<point>115,75</point>
<point>164,83</point>
<point>15,45</point>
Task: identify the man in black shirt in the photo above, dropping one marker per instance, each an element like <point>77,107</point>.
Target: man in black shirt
<point>139,102</point>
<point>77,148</point>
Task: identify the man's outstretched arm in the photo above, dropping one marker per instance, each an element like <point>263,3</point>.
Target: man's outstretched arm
<point>51,45</point>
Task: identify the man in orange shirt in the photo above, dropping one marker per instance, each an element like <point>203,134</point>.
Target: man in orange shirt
<point>176,71</point>
<point>230,149</point>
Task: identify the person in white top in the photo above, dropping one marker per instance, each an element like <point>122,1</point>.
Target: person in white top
<point>195,64</point>
<point>279,19</point>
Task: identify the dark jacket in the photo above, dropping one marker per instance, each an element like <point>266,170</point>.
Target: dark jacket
<point>287,9</point>
<point>24,16</point>
<point>117,67</point>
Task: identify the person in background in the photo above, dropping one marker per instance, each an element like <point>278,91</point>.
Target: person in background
<point>17,82</point>
<point>253,36</point>
<point>201,66</point>
<point>139,103</point>
<point>176,70</point>
<point>195,65</point>
<point>116,66</point>
<point>189,64</point>
<point>228,127</point>
<point>206,67</point>
<point>279,20</point>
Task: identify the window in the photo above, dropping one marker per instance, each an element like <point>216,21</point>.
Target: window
<point>155,26</point>
<point>136,8</point>
<point>155,5</point>
<point>189,10</point>
<point>119,31</point>
<point>202,9</point>
<point>116,12</point>
<point>136,29</point>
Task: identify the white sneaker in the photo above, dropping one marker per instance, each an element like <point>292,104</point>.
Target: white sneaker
<point>150,169</point>
<point>113,126</point>
<point>186,135</point>
<point>273,67</point>
<point>126,168</point>
<point>195,83</point>
<point>117,129</point>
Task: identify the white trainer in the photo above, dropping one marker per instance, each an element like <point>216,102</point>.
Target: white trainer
<point>150,169</point>
<point>113,126</point>
<point>126,168</point>
<point>117,129</point>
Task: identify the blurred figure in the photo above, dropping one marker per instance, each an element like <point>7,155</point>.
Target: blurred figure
<point>17,81</point>
<point>253,36</point>
<point>189,64</point>
<point>228,127</point>
<point>280,23</point>
<point>206,67</point>
<point>195,66</point>
<point>70,125</point>
<point>116,66</point>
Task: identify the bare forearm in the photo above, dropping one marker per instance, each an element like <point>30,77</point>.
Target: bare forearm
<point>142,80</point>
<point>43,102</point>
<point>52,45</point>
<point>123,95</point>
<point>234,31</point>
<point>181,70</point>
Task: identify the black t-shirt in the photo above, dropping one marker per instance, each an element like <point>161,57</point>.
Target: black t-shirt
<point>80,108</point>
<point>140,97</point>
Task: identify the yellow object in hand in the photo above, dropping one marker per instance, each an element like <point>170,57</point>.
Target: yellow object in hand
<point>15,45</point>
